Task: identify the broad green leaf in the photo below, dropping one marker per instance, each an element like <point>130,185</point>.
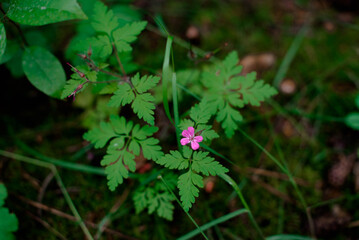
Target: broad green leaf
<point>357,101</point>
<point>352,120</point>
<point>41,12</point>
<point>44,71</point>
<point>12,48</point>
<point>103,20</point>
<point>100,136</point>
<point>143,106</point>
<point>188,191</point>
<point>174,160</point>
<point>2,40</point>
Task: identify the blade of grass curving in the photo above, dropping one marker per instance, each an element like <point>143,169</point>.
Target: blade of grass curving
<point>288,237</point>
<point>59,182</point>
<point>179,203</point>
<point>60,163</point>
<point>293,49</point>
<point>232,183</point>
<point>175,108</point>
<point>213,223</point>
<point>166,75</point>
<point>188,91</point>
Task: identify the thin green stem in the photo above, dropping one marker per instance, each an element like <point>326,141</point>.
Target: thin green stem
<point>179,203</point>
<point>59,182</point>
<point>232,183</point>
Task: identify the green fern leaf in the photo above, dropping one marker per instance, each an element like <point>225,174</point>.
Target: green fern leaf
<point>144,83</point>
<point>229,118</point>
<point>174,160</point>
<point>207,165</point>
<point>124,95</point>
<point>150,148</point>
<point>100,136</point>
<point>103,20</point>
<point>127,34</point>
<point>187,184</point>
<point>143,106</point>
<point>115,170</point>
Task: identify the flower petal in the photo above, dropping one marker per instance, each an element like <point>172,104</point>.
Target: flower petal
<point>198,138</point>
<point>184,141</point>
<point>191,131</point>
<point>186,134</point>
<point>194,145</point>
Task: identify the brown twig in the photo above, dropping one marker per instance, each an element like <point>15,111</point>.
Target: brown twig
<point>70,217</point>
<point>43,188</point>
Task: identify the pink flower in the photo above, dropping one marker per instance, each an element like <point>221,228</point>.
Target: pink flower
<point>189,137</point>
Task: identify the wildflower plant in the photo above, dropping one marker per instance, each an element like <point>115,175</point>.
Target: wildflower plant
<point>100,57</point>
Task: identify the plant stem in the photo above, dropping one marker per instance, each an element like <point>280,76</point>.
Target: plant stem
<point>119,60</point>
<point>233,184</point>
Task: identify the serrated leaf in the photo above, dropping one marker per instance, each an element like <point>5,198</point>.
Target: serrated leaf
<point>174,160</point>
<point>115,170</point>
<point>143,106</point>
<point>2,40</point>
<point>185,123</point>
<point>352,120</point>
<point>229,118</point>
<point>142,133</point>
<point>151,149</point>
<point>103,20</point>
<point>44,71</point>
<point>200,113</point>
<point>71,86</point>
<point>100,136</point>
<point>127,34</point>
<point>188,191</point>
<point>123,95</point>
<point>140,201</point>
<point>144,83</point>
<point>134,147</point>
<point>165,206</point>
<point>207,165</point>
<point>256,93</point>
<point>187,152</point>
<point>120,125</point>
<point>207,132</point>
<point>41,12</point>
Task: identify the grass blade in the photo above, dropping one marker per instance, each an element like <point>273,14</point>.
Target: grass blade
<point>293,49</point>
<point>213,223</point>
<point>166,75</point>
